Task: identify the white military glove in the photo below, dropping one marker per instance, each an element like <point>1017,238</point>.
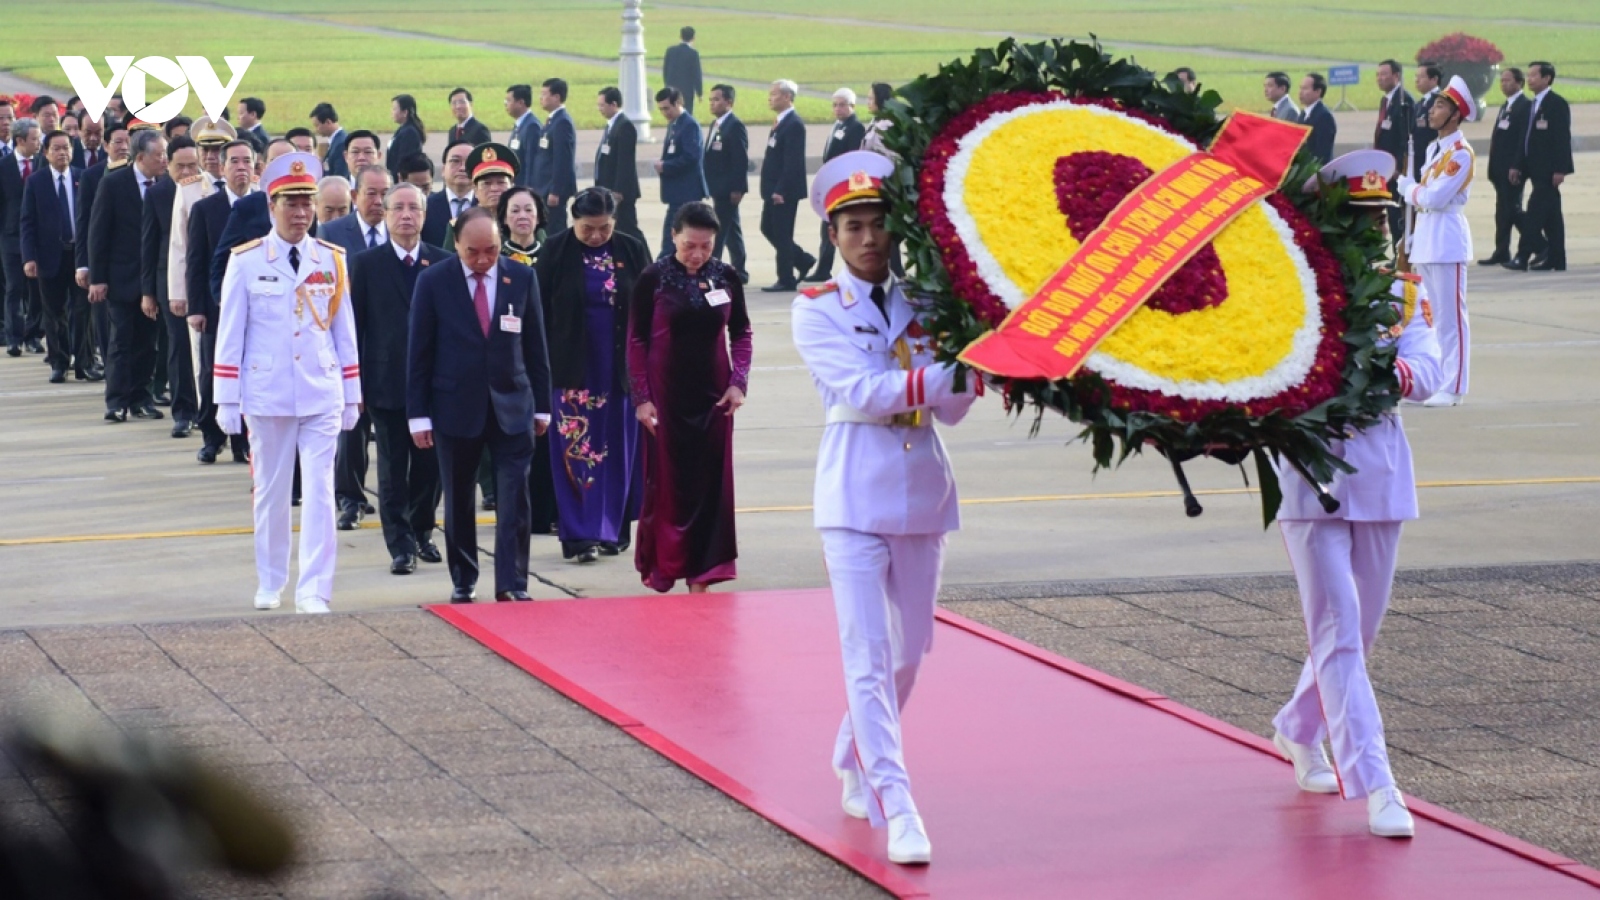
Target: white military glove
<point>351,415</point>
<point>1404,184</point>
<point>230,418</point>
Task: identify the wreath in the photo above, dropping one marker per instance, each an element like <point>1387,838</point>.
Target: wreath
<point>1265,343</point>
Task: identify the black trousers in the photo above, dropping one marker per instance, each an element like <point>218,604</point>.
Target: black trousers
<point>350,466</point>
<point>458,464</point>
<point>24,313</point>
<point>824,256</point>
<point>731,234</point>
<point>210,431</point>
<point>158,374</point>
<point>180,368</point>
<point>542,512</point>
<point>100,331</point>
<point>1544,232</point>
<point>628,222</point>
<point>1507,214</point>
<point>133,356</point>
<point>777,226</point>
<point>65,310</point>
<point>408,483</point>
<point>555,217</point>
<point>667,246</point>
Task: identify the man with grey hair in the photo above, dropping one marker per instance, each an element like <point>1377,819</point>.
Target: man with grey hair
<point>783,187</point>
<point>363,229</point>
<point>846,136</point>
<point>333,198</point>
<point>381,282</point>
<point>23,310</point>
<point>114,232</point>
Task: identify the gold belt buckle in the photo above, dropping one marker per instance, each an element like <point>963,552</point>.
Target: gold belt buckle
<point>911,419</point>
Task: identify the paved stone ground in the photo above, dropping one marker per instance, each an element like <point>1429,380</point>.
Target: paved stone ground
<point>415,761</point>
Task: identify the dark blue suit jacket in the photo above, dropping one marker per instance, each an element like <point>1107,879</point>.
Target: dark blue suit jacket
<point>528,144</point>
<point>436,221</point>
<point>349,232</point>
<point>455,376</point>
<point>333,162</point>
<point>1323,130</point>
<point>40,222</point>
<point>555,165</point>
<point>682,180</point>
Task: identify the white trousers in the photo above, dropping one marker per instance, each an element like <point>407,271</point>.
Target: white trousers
<point>274,441</point>
<point>1446,284</point>
<point>884,592</point>
<point>1345,571</point>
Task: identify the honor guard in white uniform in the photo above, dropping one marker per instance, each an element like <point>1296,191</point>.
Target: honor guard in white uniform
<point>286,362</point>
<point>1441,243</point>
<point>885,492</point>
<point>211,135</point>
<point>1344,561</point>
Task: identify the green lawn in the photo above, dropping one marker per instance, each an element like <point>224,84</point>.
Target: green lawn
<point>297,66</point>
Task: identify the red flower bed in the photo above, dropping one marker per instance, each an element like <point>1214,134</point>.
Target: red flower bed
<point>1461,48</point>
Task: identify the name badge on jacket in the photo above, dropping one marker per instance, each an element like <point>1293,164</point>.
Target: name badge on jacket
<point>772,141</point>
<point>1386,124</point>
<point>605,149</point>
<point>1542,125</point>
<point>544,143</point>
<point>510,324</point>
<point>838,134</point>
<point>1504,125</point>
<point>718,297</point>
<point>516,144</point>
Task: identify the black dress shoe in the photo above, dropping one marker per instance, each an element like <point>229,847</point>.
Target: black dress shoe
<point>1495,259</point>
<point>367,509</point>
<point>116,415</point>
<point>348,519</point>
<point>97,373</point>
<point>607,548</point>
<point>58,376</point>
<point>463,594</point>
<point>240,456</point>
<point>744,277</point>
<point>147,412</point>
<point>206,454</point>
<point>34,346</point>
<point>801,270</point>
<point>1545,265</point>
<point>507,596</point>
<point>782,287</point>
<point>589,555</point>
<point>404,564</point>
<point>428,552</point>
<point>488,504</point>
<point>1516,265</point>
<point>163,399</point>
<point>181,429</point>
<point>13,350</point>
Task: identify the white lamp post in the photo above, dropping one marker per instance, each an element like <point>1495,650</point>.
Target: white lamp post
<point>636,97</point>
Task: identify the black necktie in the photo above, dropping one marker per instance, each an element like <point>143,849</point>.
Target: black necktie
<point>66,208</point>
<point>294,258</point>
<point>218,184</point>
<point>372,236</point>
<point>880,298</point>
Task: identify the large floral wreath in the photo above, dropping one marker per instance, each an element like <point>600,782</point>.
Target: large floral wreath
<point>1264,342</point>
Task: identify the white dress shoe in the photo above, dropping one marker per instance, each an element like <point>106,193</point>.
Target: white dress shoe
<point>310,605</point>
<point>908,841</point>
<point>267,600</point>
<point>855,799</point>
<point>1387,815</point>
<point>1443,399</point>
<point>1311,769</point>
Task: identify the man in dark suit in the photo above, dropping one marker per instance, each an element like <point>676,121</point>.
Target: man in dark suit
<point>783,187</point>
<point>115,224</point>
<point>1546,162</point>
<point>45,230</point>
<point>524,128</point>
<point>682,179</point>
<point>251,110</point>
<point>363,229</point>
<point>467,127</point>
<point>325,122</point>
<point>846,136</point>
<point>616,165</point>
<point>116,155</point>
<point>1393,133</point>
<point>209,221</point>
<point>381,283</point>
<point>1315,113</point>
<point>183,167</point>
<point>91,148</point>
<point>727,169</point>
<point>1505,151</point>
<point>478,375</point>
<point>681,69</point>
<point>23,312</point>
<point>1423,134</point>
<point>455,199</point>
<point>555,162</point>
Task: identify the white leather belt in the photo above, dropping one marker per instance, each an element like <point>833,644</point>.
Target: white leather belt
<point>841,414</point>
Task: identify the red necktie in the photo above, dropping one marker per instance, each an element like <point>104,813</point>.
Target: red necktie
<point>480,299</point>
<point>27,169</point>
<point>1383,113</point>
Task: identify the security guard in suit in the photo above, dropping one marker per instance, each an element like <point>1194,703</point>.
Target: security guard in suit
<point>1546,162</point>
<point>1441,242</point>
<point>846,137</point>
<point>1423,133</point>
<point>286,361</point>
<point>885,492</point>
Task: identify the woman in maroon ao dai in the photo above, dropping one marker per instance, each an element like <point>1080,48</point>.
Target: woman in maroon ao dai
<point>688,368</point>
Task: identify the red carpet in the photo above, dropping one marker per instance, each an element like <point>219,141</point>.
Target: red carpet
<point>1037,777</point>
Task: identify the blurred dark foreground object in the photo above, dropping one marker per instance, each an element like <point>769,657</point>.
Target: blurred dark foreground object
<point>143,817</point>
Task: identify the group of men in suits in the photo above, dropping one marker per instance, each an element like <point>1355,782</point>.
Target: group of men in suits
<point>1532,145</point>
<point>548,150</point>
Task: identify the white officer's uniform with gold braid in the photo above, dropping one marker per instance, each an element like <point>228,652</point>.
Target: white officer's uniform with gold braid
<point>1441,242</point>
<point>885,498</point>
<point>286,362</point>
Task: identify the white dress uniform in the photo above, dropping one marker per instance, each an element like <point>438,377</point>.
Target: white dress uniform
<point>1344,563</point>
<point>1441,242</point>
<point>286,361</point>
